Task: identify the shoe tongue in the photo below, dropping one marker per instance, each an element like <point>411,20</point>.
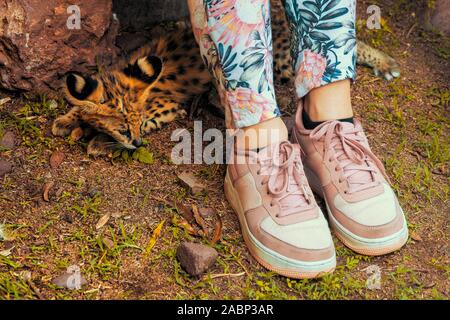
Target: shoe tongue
<point>347,126</point>
<point>357,177</point>
<point>291,203</point>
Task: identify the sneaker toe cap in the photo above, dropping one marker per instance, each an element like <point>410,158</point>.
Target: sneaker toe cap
<point>376,211</point>
<point>310,235</point>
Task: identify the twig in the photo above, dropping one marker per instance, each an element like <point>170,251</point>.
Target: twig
<point>410,30</point>
<point>221,275</point>
<point>167,202</point>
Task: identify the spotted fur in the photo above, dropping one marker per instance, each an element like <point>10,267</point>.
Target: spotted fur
<point>153,86</point>
<point>137,95</point>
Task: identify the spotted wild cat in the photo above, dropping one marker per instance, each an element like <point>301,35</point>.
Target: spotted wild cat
<point>151,88</point>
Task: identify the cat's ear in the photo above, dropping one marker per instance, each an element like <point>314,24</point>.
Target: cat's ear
<point>81,89</point>
<point>145,69</point>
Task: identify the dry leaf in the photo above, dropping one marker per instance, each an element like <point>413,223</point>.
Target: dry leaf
<point>199,219</point>
<point>102,221</point>
<point>217,230</point>
<point>192,182</point>
<point>56,159</point>
<point>76,134</point>
<point>415,236</point>
<point>154,238</point>
<point>6,252</point>
<point>108,242</point>
<point>185,225</point>
<point>183,210</point>
<point>46,190</point>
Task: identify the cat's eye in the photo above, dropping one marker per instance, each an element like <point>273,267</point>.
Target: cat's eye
<point>126,134</point>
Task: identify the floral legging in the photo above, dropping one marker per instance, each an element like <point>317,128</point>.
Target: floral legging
<point>235,40</point>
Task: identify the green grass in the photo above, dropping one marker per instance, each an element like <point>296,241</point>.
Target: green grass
<point>14,287</point>
<point>88,205</point>
<point>407,285</point>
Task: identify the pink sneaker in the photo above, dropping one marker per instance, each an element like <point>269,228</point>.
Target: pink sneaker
<point>363,209</point>
<point>282,225</point>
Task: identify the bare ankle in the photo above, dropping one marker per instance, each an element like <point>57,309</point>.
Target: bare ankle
<point>262,134</point>
<point>329,102</point>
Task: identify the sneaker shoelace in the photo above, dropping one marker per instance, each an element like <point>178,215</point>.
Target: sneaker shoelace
<point>285,178</point>
<point>346,143</point>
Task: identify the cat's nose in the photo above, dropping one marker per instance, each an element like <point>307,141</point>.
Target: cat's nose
<point>137,142</point>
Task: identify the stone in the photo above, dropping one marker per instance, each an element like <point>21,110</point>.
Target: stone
<point>40,41</point>
<point>8,140</point>
<point>206,212</point>
<point>5,167</point>
<point>196,258</point>
<point>192,182</point>
<point>56,159</point>
<point>440,16</point>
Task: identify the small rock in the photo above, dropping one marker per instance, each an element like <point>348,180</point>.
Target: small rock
<point>8,140</point>
<point>67,217</point>
<point>93,192</point>
<point>196,258</point>
<point>5,167</point>
<point>159,208</point>
<point>59,192</point>
<point>52,104</point>
<point>206,212</point>
<point>56,159</point>
<point>191,182</point>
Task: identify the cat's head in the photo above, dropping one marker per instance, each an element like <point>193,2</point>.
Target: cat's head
<point>113,102</point>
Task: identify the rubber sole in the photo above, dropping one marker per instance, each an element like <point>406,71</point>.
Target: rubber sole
<point>270,259</point>
<point>361,245</point>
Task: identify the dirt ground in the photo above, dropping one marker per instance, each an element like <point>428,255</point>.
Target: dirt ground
<point>407,121</point>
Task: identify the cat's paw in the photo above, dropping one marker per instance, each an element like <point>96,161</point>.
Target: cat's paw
<point>61,127</point>
<point>387,69</point>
